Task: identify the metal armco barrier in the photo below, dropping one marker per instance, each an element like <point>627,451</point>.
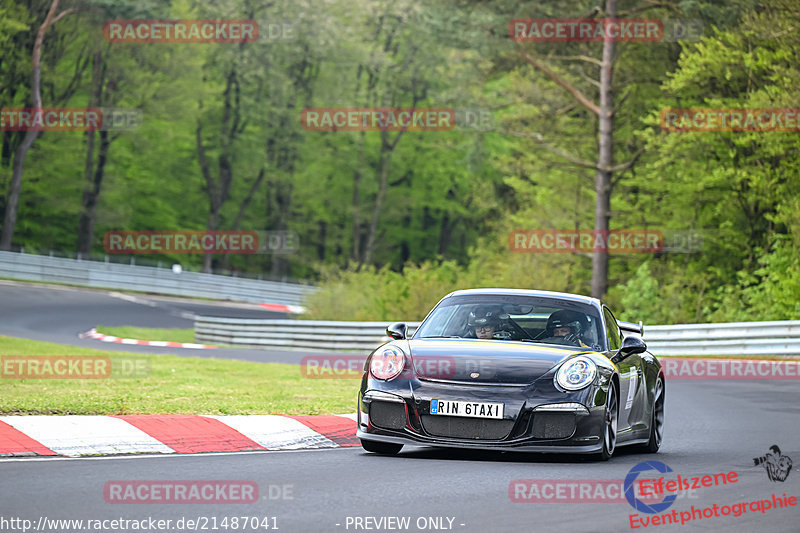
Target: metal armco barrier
<point>284,333</point>
<point>740,338</point>
<point>147,279</point>
<point>733,338</point>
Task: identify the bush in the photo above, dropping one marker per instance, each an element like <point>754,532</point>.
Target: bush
<point>383,295</point>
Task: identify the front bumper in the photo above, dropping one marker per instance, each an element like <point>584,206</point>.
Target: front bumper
<point>402,415</point>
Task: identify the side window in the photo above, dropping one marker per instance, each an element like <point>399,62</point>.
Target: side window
<point>612,329</point>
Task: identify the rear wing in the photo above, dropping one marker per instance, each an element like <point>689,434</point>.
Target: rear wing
<point>631,327</point>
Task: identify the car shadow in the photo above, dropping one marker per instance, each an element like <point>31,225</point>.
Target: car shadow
<point>463,454</point>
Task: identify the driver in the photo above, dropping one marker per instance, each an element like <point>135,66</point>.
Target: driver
<point>564,327</point>
<point>483,322</point>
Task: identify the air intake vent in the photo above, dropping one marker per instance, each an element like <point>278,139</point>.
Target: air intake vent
<point>387,415</point>
<point>553,425</point>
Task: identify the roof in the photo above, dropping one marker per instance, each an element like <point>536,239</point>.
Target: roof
<point>529,292</point>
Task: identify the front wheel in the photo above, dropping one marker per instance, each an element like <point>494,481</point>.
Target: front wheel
<point>383,448</point>
<point>610,425</point>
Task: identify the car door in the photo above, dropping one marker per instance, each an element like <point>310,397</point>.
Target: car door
<point>630,377</point>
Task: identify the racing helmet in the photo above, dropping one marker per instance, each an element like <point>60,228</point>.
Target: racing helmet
<point>483,316</point>
<point>565,319</point>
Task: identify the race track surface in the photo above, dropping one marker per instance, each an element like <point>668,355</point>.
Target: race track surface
<point>711,427</point>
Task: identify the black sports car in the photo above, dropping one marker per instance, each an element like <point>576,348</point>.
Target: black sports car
<point>520,370</point>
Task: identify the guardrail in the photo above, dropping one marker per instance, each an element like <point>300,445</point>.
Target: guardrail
<point>284,333</point>
<point>118,276</point>
<point>733,338</point>
<point>740,338</point>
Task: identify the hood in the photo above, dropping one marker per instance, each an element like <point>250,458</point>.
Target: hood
<point>495,362</point>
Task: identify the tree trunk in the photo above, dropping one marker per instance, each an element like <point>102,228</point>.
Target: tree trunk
<point>91,186</point>
<point>445,233</point>
<point>245,203</point>
<point>213,193</point>
<point>605,160</point>
<point>387,148</point>
<point>383,185</point>
<point>321,240</point>
<point>10,219</point>
<point>283,198</point>
<point>356,253</point>
<point>90,197</point>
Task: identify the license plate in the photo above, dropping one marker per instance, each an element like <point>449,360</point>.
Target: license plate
<point>468,409</point>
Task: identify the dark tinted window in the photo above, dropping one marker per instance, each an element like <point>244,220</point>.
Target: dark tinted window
<point>515,318</point>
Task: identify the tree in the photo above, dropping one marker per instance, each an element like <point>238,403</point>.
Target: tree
<point>605,112</point>
<point>10,219</point>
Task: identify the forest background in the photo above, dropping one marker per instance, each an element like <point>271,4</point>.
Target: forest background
<point>389,222</point>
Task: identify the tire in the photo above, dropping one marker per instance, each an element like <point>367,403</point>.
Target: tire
<point>656,421</point>
<point>383,448</point>
<point>609,426</point>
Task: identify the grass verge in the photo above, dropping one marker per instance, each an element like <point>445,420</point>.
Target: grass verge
<point>149,334</point>
<point>172,385</point>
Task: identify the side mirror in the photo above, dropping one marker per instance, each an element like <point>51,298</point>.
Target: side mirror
<point>397,331</point>
<point>632,345</point>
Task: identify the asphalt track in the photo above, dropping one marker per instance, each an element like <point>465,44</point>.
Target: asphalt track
<point>711,427</point>
<point>59,314</point>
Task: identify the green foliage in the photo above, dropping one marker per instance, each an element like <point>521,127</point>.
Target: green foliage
<point>373,294</point>
<point>640,299</point>
<point>451,197</point>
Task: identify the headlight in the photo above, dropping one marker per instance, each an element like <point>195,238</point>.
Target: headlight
<point>576,373</point>
<point>387,363</point>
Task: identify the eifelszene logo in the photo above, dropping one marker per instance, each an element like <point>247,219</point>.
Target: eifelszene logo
<point>777,466</point>
<point>638,504</point>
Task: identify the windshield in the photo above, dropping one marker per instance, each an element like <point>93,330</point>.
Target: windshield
<point>515,318</point>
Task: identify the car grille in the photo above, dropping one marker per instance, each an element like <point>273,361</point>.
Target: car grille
<point>467,428</point>
<point>553,425</point>
<point>387,415</point>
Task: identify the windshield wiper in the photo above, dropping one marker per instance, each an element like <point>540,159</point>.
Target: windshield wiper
<point>441,337</point>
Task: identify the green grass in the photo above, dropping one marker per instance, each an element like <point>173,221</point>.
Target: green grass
<point>149,334</point>
<point>173,385</point>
